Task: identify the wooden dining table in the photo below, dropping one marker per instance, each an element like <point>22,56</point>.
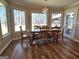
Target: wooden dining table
<point>34,32</point>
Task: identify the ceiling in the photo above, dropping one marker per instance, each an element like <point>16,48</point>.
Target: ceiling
<point>50,3</point>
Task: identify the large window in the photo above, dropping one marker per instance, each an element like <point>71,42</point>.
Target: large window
<point>38,19</point>
<point>56,19</point>
<point>69,22</point>
<point>19,19</point>
<point>3,19</point>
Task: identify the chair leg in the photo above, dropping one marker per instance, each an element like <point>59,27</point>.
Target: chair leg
<point>62,37</point>
<point>21,42</point>
<point>31,41</point>
<point>53,40</point>
<point>56,40</point>
<point>44,40</point>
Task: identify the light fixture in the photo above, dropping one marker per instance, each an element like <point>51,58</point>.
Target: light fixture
<point>45,9</point>
<point>1,4</point>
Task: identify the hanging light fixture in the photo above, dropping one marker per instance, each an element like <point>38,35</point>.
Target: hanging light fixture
<point>45,9</point>
<point>1,4</point>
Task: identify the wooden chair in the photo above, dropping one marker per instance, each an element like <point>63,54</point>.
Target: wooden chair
<point>44,28</point>
<point>37,27</point>
<point>55,35</point>
<point>44,36</point>
<point>36,37</point>
<point>24,36</point>
<point>61,33</point>
<point>44,33</point>
<point>55,28</point>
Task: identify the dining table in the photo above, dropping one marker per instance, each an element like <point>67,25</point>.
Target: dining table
<point>38,31</point>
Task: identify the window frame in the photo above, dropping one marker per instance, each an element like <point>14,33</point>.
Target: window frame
<point>52,19</point>
<point>6,13</point>
<point>14,19</point>
<point>38,13</point>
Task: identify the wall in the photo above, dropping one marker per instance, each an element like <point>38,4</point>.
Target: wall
<point>77,26</point>
<point>5,40</point>
<point>29,10</point>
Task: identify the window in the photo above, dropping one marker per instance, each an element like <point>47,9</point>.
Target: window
<point>38,19</point>
<point>3,19</point>
<point>70,20</point>
<point>19,19</point>
<point>56,19</point>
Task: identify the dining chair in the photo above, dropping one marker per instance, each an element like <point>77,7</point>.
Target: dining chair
<point>61,33</point>
<point>36,37</point>
<point>37,27</point>
<point>25,37</point>
<point>55,28</point>
<point>45,36</point>
<point>55,35</point>
<point>44,28</point>
<point>44,33</point>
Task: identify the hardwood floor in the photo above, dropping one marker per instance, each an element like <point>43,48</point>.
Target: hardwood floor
<point>67,49</point>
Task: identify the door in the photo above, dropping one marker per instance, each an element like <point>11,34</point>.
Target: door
<point>70,23</point>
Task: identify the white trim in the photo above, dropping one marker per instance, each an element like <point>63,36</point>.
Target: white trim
<point>5,46</point>
<point>76,40</point>
<point>16,38</point>
<point>5,35</point>
<point>76,3</point>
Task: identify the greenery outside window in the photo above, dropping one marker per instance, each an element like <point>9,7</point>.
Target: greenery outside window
<point>56,20</point>
<point>19,19</point>
<point>3,19</point>
<point>39,19</point>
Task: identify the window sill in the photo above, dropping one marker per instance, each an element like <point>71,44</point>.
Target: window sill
<point>4,36</point>
<point>19,31</point>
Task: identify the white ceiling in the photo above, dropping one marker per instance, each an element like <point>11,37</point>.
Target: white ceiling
<point>51,3</point>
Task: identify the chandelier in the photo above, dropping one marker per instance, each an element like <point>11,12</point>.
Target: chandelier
<point>45,9</point>
<point>1,4</point>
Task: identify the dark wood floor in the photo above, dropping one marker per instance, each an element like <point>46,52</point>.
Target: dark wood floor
<point>67,49</point>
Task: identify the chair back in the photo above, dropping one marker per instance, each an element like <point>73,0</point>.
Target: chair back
<point>44,28</point>
<point>61,31</point>
<point>44,34</point>
<point>21,31</point>
<point>55,33</point>
<point>55,28</point>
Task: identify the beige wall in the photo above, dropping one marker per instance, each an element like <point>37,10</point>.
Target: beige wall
<point>4,40</point>
<point>77,26</point>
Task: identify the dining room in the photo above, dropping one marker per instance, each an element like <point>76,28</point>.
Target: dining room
<point>44,29</point>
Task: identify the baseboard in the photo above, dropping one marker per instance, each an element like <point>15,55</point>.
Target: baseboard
<point>16,38</point>
<point>5,46</point>
<point>74,39</point>
<point>8,44</point>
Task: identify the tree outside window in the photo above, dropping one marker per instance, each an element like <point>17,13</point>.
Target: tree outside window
<point>38,19</point>
<point>3,19</point>
<point>56,20</point>
<point>19,19</point>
